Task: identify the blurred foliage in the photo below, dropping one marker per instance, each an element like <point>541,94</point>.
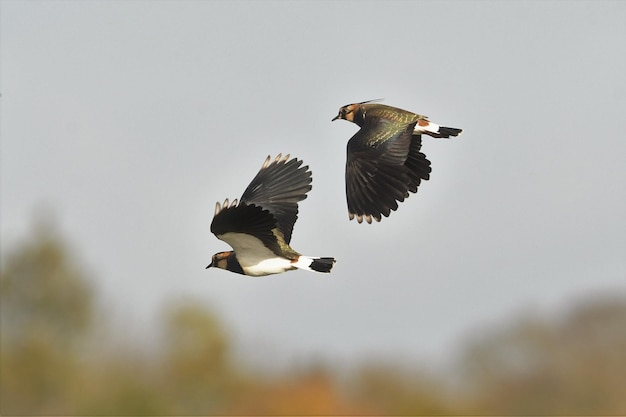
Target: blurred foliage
<point>574,365</point>
<point>52,360</point>
<point>387,388</point>
<point>45,312</point>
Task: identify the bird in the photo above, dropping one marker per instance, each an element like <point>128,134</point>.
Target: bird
<point>384,162</point>
<point>259,226</point>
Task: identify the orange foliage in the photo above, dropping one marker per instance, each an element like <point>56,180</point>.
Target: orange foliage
<point>311,394</point>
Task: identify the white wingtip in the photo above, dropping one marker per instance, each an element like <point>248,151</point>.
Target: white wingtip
<point>267,162</point>
<point>279,158</point>
<point>227,204</point>
<point>360,217</point>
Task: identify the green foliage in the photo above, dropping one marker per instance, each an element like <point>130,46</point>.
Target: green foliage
<point>51,363</point>
<point>569,366</point>
<point>197,372</point>
<point>45,309</point>
<point>44,295</point>
<point>390,389</point>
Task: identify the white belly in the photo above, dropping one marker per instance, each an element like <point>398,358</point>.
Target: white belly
<point>254,257</point>
<point>268,266</point>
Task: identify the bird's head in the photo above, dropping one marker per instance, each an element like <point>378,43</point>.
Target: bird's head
<point>220,260</point>
<point>354,113</point>
<point>347,112</point>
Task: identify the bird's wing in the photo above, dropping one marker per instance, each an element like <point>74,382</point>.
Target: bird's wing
<point>417,164</point>
<point>277,188</point>
<point>235,223</point>
<point>376,177</point>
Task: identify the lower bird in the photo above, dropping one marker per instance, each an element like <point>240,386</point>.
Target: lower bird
<point>384,161</point>
<point>259,226</point>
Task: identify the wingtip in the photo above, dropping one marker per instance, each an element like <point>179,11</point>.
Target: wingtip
<point>281,159</point>
<point>226,204</point>
<point>267,162</point>
<point>360,217</point>
<point>278,159</point>
<point>368,218</point>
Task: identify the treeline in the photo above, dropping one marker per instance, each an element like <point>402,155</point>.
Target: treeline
<point>56,359</point>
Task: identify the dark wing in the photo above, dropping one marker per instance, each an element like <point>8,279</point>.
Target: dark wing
<point>376,175</point>
<point>244,219</point>
<point>417,164</point>
<point>277,188</point>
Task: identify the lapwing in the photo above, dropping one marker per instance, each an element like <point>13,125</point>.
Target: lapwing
<point>384,161</point>
<point>258,227</point>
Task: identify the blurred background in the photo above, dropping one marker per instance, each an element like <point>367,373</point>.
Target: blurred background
<point>499,288</point>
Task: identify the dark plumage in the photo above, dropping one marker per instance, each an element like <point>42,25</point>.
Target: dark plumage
<point>384,162</point>
<point>259,226</point>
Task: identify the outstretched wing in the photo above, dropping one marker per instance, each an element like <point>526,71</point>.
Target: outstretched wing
<point>238,225</point>
<point>277,188</point>
<point>376,175</point>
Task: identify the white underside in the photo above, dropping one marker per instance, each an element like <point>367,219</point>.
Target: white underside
<point>275,265</point>
<point>258,260</point>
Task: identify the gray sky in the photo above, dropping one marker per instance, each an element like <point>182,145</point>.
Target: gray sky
<point>131,119</point>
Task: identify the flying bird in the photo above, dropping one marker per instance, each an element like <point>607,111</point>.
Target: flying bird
<point>384,161</point>
<point>259,226</point>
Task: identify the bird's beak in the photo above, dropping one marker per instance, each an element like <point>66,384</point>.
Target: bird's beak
<point>335,118</point>
<point>209,266</point>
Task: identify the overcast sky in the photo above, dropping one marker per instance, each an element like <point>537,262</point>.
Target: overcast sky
<point>129,120</point>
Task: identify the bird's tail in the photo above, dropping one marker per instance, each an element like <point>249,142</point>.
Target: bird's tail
<point>434,130</point>
<point>315,264</point>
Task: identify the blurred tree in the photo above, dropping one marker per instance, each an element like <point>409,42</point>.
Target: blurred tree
<point>310,391</point>
<point>390,389</point>
<point>125,383</point>
<point>198,373</point>
<point>593,355</point>
<point>575,365</point>
<point>54,361</point>
<point>45,312</point>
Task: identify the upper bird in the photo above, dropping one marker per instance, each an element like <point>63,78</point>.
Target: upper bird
<point>259,227</point>
<point>384,160</point>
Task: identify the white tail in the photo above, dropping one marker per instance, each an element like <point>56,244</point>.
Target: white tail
<point>434,130</point>
<point>323,265</point>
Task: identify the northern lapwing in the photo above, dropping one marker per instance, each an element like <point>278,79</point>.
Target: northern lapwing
<point>384,161</point>
<point>259,226</point>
